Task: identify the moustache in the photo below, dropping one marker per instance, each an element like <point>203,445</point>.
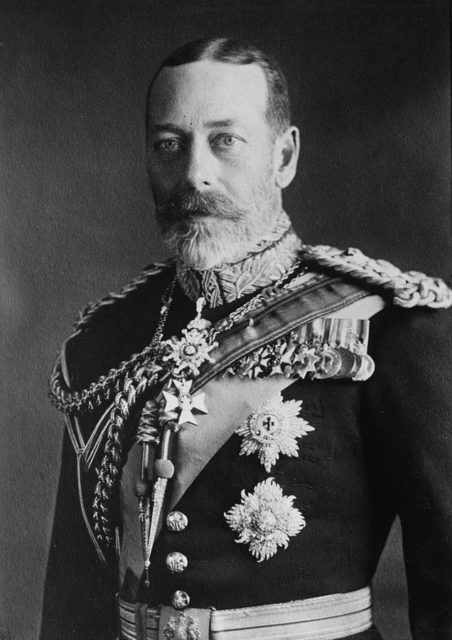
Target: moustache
<point>188,205</point>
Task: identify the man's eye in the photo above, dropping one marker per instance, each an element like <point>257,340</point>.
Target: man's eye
<point>224,140</point>
<point>169,145</point>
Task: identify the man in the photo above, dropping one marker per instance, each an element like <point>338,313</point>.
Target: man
<point>248,418</point>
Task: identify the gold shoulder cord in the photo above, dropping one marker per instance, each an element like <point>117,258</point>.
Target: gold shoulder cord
<point>409,289</point>
<point>102,390</point>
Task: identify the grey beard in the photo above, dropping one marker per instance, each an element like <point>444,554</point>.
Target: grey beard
<point>206,242</point>
<point>205,230</point>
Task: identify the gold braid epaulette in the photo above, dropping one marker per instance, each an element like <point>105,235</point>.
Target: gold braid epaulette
<point>104,388</point>
<point>409,289</point>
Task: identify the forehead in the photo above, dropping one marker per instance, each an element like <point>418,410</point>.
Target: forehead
<point>208,91</point>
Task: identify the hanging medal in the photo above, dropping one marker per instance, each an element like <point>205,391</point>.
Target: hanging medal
<point>185,355</point>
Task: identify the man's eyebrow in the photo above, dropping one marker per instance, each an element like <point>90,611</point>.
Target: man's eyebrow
<point>220,123</point>
<point>174,128</point>
<point>165,126</point>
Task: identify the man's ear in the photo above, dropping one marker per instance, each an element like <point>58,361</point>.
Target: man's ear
<point>287,149</point>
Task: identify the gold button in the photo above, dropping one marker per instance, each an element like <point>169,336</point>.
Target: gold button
<point>176,521</point>
<point>180,600</point>
<point>176,562</point>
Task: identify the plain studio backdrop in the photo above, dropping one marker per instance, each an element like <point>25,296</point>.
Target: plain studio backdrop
<point>370,88</point>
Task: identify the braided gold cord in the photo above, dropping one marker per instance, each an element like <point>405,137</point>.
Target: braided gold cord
<point>409,289</point>
<point>111,464</point>
<point>102,390</point>
<point>98,392</point>
<point>148,432</point>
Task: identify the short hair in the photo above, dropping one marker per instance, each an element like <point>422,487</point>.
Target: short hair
<point>238,52</point>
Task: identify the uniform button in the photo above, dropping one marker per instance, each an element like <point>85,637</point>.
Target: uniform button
<point>180,600</point>
<point>176,562</point>
<point>176,521</point>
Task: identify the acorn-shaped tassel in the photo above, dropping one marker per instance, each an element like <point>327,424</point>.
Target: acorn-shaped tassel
<point>164,468</point>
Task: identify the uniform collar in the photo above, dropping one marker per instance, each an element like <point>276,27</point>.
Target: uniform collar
<point>274,255</point>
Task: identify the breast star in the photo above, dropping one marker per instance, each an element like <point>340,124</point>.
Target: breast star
<point>273,429</point>
<point>265,519</point>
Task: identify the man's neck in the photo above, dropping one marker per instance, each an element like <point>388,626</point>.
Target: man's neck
<point>272,257</point>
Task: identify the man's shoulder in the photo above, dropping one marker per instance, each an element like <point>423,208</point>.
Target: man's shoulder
<point>149,281</point>
<point>402,288</point>
<point>110,329</point>
<point>412,329</point>
<point>419,337</point>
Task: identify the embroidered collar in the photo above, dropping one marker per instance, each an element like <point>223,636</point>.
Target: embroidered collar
<point>274,255</point>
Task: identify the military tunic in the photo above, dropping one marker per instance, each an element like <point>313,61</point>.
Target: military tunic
<point>379,448</point>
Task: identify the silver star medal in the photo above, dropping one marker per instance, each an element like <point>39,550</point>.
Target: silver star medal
<point>306,361</point>
<point>272,430</point>
<point>193,349</point>
<point>265,519</point>
<point>180,404</point>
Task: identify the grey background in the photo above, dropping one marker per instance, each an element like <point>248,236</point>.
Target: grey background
<point>370,85</point>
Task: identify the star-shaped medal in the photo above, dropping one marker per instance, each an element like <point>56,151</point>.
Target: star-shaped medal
<point>180,404</point>
<point>272,430</point>
<point>305,361</point>
<point>265,519</point>
<point>188,353</point>
<point>283,358</point>
<point>193,349</point>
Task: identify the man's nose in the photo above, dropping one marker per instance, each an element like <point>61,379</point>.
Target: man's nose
<point>199,167</point>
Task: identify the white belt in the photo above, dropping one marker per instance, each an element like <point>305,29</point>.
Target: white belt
<point>324,618</point>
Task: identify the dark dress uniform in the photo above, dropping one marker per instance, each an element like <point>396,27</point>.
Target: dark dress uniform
<point>380,448</point>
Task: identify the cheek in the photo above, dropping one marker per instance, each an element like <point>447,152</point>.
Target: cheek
<point>162,180</point>
<point>242,168</point>
<point>245,179</point>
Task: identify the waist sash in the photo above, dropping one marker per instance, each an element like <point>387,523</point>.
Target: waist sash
<point>327,617</point>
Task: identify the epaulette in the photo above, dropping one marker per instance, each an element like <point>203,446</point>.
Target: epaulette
<point>408,289</point>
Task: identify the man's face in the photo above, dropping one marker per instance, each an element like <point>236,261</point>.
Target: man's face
<point>211,160</point>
